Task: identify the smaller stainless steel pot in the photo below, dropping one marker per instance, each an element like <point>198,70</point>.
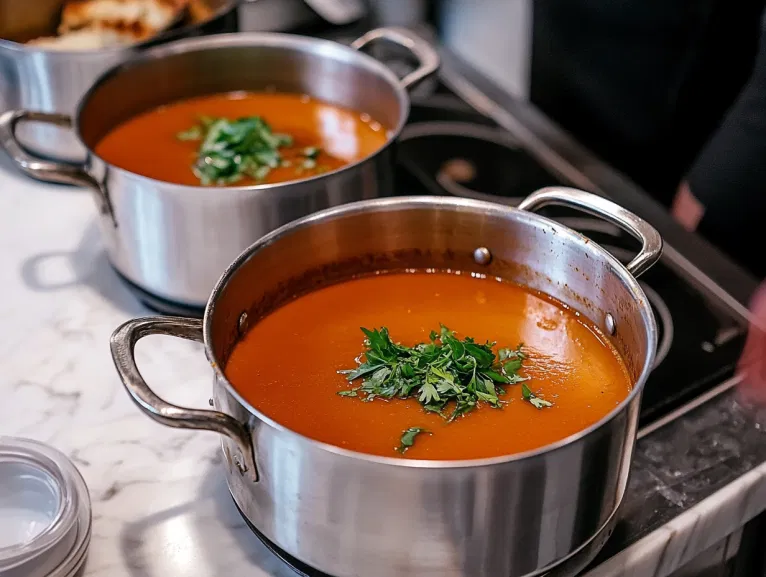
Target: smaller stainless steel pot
<point>350,514</point>
<point>174,241</point>
<point>45,80</point>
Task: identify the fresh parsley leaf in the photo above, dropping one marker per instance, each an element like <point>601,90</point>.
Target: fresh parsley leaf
<point>360,371</point>
<point>408,438</point>
<point>512,366</point>
<point>193,133</point>
<point>311,152</point>
<point>526,392</point>
<point>428,393</point>
<point>497,377</point>
<point>537,402</point>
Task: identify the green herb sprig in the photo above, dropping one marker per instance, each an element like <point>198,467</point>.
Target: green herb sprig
<point>448,375</point>
<point>408,438</point>
<point>537,402</point>
<point>233,149</point>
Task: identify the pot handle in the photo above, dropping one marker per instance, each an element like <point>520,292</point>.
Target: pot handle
<point>427,56</point>
<point>48,170</point>
<point>123,343</point>
<point>651,241</point>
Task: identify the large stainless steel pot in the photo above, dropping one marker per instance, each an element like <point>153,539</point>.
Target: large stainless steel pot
<point>174,241</point>
<point>350,514</point>
<point>47,80</point>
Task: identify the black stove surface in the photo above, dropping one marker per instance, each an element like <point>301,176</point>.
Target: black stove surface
<point>447,148</point>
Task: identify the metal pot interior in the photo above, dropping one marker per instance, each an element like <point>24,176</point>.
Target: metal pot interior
<point>435,233</point>
<point>242,62</point>
<point>22,21</point>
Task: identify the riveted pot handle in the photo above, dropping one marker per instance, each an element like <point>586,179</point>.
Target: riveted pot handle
<point>427,56</point>
<point>123,343</point>
<point>48,170</point>
<point>651,241</point>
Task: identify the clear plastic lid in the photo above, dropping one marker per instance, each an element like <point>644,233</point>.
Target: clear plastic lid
<point>45,514</point>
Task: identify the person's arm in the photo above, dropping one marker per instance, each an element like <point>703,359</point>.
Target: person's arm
<point>724,194</point>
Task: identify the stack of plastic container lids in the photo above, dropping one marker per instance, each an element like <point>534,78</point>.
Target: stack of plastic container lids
<point>45,514</point>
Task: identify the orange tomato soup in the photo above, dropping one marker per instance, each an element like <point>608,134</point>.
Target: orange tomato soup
<point>148,143</point>
<point>287,365</point>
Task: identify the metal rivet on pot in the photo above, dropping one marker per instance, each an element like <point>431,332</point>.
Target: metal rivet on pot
<point>242,323</point>
<point>610,325</point>
<point>482,255</point>
<point>210,402</point>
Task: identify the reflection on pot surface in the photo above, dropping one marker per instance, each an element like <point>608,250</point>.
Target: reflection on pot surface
<point>411,505</point>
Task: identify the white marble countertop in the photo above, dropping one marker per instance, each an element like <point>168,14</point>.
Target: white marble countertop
<point>160,504</point>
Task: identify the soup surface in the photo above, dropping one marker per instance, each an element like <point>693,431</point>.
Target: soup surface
<point>168,143</point>
<point>287,365</point>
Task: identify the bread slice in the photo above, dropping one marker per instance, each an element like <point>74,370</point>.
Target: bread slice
<point>138,19</point>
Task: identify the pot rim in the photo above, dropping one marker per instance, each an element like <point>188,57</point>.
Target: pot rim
<point>328,48</point>
<point>413,202</point>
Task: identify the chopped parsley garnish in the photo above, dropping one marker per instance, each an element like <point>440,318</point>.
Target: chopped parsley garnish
<point>231,150</point>
<point>537,402</point>
<point>311,152</point>
<point>448,375</point>
<point>408,438</point>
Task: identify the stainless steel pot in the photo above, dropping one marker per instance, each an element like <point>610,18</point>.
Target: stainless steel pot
<point>174,241</point>
<point>351,514</point>
<point>47,80</point>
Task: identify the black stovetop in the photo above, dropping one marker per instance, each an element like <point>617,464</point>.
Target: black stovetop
<point>448,148</point>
